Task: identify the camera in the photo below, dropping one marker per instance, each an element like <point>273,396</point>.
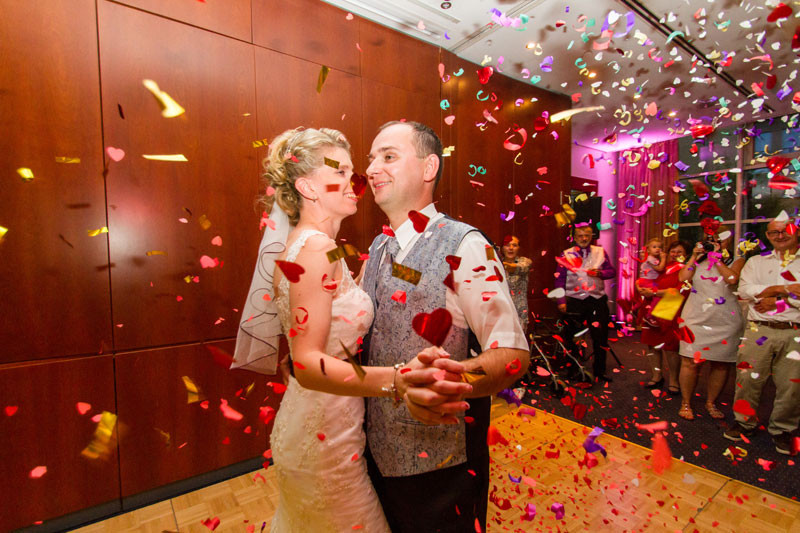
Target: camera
<point>708,246</point>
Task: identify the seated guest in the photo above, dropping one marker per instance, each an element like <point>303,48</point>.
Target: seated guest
<point>517,268</point>
<point>769,283</point>
<point>661,336</point>
<point>713,316</point>
<point>581,272</point>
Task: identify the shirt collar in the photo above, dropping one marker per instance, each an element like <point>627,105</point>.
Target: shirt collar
<point>405,233</point>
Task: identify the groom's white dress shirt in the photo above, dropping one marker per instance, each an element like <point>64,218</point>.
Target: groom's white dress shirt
<point>483,306</point>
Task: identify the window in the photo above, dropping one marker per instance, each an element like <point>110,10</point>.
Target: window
<point>746,201</point>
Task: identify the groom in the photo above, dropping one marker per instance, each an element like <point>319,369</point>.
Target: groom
<point>433,477</point>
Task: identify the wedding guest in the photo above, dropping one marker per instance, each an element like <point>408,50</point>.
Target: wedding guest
<point>581,271</point>
<point>662,339</point>
<point>769,283</point>
<point>517,270</point>
<point>713,318</point>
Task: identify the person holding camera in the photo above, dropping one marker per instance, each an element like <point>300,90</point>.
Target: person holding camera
<point>712,318</point>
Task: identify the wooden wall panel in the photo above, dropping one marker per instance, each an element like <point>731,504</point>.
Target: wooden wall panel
<point>288,98</point>
<point>53,276</point>
<point>309,29</point>
<point>398,60</point>
<point>479,205</point>
<point>231,17</point>
<point>384,103</point>
<point>40,426</point>
<point>163,438</point>
<point>212,77</point>
<point>533,220</point>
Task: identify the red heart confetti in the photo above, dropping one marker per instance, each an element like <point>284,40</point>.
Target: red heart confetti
<point>387,231</point>
<point>744,408</point>
<point>83,407</point>
<point>11,410</point>
<point>359,184</point>
<point>211,523</point>
<point>266,414</point>
<point>781,11</point>
<point>292,271</point>
<point>399,296</point>
<point>433,327</point>
<point>419,221</point>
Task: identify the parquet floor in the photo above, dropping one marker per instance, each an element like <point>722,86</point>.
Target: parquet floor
<point>539,466</point>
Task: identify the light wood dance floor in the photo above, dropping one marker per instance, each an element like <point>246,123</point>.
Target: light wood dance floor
<point>539,466</point>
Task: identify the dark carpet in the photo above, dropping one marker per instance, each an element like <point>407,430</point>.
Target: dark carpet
<point>620,405</point>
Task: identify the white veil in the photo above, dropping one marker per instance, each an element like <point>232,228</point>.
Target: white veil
<point>260,327</point>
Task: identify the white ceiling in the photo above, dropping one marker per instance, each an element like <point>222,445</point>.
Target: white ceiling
<point>692,88</point>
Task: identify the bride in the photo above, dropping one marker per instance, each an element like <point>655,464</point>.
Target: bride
<point>310,296</point>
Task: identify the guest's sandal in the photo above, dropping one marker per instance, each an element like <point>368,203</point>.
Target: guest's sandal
<point>673,390</point>
<point>686,412</point>
<point>713,412</point>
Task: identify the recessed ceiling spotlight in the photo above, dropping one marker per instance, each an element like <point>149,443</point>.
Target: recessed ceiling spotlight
<point>446,5</point>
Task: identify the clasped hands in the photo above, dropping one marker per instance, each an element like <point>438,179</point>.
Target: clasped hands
<point>767,299</point>
<point>432,388</point>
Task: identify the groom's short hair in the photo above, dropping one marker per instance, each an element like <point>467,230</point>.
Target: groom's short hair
<point>425,141</point>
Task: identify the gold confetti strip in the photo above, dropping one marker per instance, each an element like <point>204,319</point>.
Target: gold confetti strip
<point>100,445</point>
<point>323,75</point>
<point>447,460</point>
<point>165,157</point>
<point>96,232</point>
<point>68,160</point>
<point>345,250</point>
<point>204,222</point>
<point>260,143</point>
<point>490,254</point>
<point>169,107</point>
<point>3,231</point>
<point>332,163</point>
<point>476,375</point>
<point>187,279</point>
<point>406,273</point>
<point>25,173</point>
<point>352,360</point>
<point>566,216</point>
<point>156,252</point>
<point>193,392</point>
<point>448,150</point>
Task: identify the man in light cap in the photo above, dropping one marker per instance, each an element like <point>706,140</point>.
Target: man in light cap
<point>770,283</point>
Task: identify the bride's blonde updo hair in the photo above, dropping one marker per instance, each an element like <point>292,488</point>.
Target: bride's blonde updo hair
<point>294,154</point>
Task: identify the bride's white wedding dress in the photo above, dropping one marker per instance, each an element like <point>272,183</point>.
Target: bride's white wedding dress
<point>318,438</point>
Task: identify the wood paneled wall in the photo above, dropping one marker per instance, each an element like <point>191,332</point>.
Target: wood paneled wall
<point>96,320</point>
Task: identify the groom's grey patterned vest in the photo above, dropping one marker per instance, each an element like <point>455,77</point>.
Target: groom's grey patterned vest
<point>396,440</point>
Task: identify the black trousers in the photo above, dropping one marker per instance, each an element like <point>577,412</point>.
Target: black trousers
<point>447,500</point>
<point>583,314</point>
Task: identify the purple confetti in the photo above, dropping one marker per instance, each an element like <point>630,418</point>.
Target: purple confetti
<point>761,341</point>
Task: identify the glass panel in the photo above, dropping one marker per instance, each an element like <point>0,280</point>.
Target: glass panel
<point>690,234</point>
<point>763,201</point>
<point>755,233</point>
<point>717,151</point>
<point>778,136</point>
<point>721,188</point>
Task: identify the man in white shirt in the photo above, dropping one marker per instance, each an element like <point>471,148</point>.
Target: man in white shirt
<point>770,283</point>
<point>433,478</point>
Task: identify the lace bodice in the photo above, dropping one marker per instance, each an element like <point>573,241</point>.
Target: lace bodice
<point>351,310</point>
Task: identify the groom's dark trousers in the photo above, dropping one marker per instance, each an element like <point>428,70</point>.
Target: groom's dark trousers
<point>448,499</point>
